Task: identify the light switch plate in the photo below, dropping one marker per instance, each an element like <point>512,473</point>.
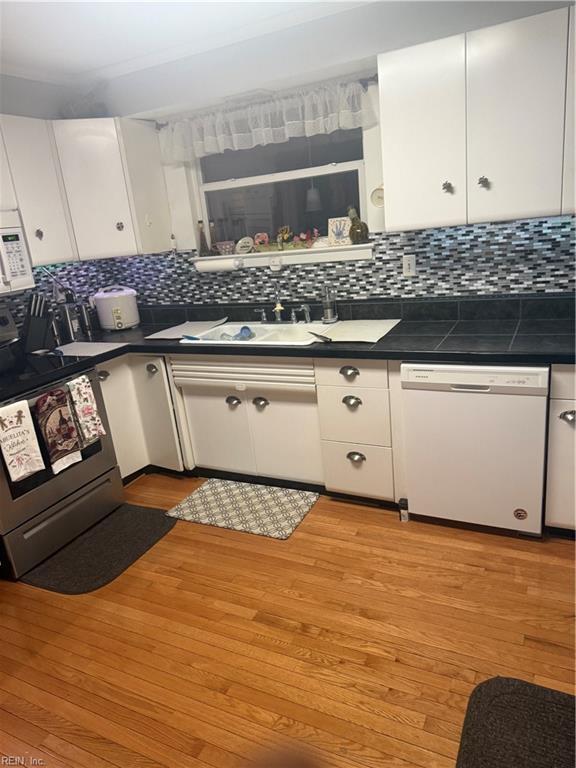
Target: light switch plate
<point>409,265</point>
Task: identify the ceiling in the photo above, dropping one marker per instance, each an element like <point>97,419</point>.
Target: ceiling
<point>158,59</point>
<point>69,43</point>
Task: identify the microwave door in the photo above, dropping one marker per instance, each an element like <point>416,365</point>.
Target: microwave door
<point>15,265</point>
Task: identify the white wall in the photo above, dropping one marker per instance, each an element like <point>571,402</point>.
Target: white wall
<point>31,98</point>
<point>347,42</point>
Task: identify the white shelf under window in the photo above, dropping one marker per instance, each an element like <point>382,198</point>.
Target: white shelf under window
<point>276,260</point>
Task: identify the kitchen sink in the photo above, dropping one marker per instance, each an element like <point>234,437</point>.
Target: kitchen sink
<point>266,334</point>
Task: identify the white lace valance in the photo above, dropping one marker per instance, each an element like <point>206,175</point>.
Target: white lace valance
<point>307,112</point>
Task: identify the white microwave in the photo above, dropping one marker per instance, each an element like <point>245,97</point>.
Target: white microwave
<point>15,265</point>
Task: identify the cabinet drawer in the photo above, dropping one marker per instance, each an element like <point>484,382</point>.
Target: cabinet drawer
<point>371,476</point>
<point>354,415</point>
<point>361,373</point>
<point>563,382</point>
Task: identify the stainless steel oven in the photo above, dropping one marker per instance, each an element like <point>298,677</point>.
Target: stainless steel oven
<point>43,512</point>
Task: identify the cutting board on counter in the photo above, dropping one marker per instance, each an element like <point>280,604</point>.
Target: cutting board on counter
<point>357,330</point>
<point>88,348</point>
<point>191,328</point>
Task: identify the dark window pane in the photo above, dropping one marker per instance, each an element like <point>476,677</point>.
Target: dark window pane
<point>337,147</point>
<point>267,207</point>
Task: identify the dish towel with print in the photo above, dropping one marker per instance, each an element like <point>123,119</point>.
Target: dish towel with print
<point>56,421</point>
<point>88,419</point>
<point>18,441</point>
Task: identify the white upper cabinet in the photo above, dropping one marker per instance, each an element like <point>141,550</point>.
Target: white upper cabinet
<point>146,184</point>
<point>568,180</point>
<point>423,129</point>
<point>516,82</point>
<point>91,161</point>
<point>39,191</point>
<point>89,152</point>
<point>8,200</point>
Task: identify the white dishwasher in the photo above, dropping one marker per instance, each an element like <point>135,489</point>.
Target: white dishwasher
<point>475,440</point>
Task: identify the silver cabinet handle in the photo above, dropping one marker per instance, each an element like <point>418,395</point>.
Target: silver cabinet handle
<point>103,375</point>
<point>352,401</point>
<point>349,371</point>
<point>119,226</point>
<point>484,182</point>
<point>151,368</point>
<point>568,416</point>
<point>233,401</point>
<point>356,457</point>
<point>447,186</point>
<point>260,402</point>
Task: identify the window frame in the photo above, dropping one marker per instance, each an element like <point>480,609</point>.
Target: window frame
<point>297,173</point>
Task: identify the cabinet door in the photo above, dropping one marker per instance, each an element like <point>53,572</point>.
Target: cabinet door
<point>285,432</point>
<point>568,180</point>
<point>156,412</point>
<point>218,425</point>
<point>41,198</point>
<point>123,413</point>
<point>147,185</point>
<point>95,183</point>
<point>516,82</point>
<point>560,483</point>
<point>423,129</point>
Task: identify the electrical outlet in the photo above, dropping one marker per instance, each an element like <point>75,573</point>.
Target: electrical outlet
<point>409,265</point>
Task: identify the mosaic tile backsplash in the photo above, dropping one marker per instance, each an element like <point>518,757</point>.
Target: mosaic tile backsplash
<point>527,256</point>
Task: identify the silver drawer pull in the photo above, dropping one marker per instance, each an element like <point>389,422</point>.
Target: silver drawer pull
<point>103,375</point>
<point>151,368</point>
<point>233,401</point>
<point>356,457</point>
<point>260,402</point>
<point>349,371</point>
<point>568,416</point>
<point>352,401</point>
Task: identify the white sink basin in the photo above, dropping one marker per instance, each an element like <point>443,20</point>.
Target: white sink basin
<point>267,334</point>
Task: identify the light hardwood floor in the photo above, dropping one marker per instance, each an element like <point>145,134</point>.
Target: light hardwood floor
<point>359,636</point>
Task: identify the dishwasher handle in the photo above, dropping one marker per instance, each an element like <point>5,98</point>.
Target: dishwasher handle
<point>470,387</point>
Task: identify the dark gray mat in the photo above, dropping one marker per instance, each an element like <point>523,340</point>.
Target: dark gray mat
<point>103,552</point>
<point>513,724</point>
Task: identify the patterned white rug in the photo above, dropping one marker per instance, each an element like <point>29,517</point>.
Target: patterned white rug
<point>262,509</point>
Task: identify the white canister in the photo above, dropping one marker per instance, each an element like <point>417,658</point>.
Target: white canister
<point>116,307</point>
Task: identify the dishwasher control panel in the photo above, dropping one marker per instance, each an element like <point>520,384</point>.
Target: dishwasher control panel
<point>480,378</point>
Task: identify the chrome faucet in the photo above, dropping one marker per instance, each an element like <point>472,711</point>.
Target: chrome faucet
<point>305,309</point>
<point>262,312</point>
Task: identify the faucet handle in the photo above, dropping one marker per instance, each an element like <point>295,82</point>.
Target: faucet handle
<point>262,312</point>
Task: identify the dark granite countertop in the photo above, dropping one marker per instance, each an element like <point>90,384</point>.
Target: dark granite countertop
<point>487,341</point>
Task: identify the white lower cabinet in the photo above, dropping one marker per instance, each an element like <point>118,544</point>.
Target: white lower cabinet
<point>248,415</point>
<point>217,422</point>
<point>355,414</point>
<point>285,435</point>
<point>360,470</point>
<point>355,427</point>
<point>561,476</point>
<point>139,408</point>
